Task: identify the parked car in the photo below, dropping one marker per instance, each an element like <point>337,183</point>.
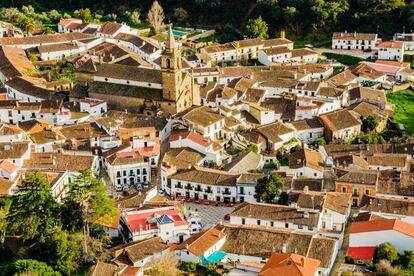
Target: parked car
<point>227,217</point>
<point>230,204</point>
<point>206,202</point>
<point>199,201</point>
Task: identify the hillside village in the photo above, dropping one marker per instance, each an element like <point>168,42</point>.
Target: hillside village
<point>251,157</point>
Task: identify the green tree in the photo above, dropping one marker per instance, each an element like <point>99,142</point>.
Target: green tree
<point>86,202</point>
<point>5,204</point>
<point>54,15</point>
<point>56,250</point>
<point>386,251</point>
<point>85,15</point>
<point>384,268</point>
<point>407,260</point>
<point>369,123</point>
<point>269,187</point>
<point>256,28</point>
<point>33,211</point>
<point>27,24</point>
<point>134,17</point>
<point>28,267</point>
<point>180,14</point>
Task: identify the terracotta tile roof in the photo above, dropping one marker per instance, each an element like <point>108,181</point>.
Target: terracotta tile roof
<point>7,166</point>
<point>114,89</point>
<point>367,94</point>
<point>110,28</point>
<point>13,150</point>
<point>276,42</point>
<point>290,264</point>
<point>383,225</point>
<point>303,52</point>
<point>387,205</point>
<point>202,116</point>
<point>219,48</point>
<point>199,243</point>
<point>315,185</point>
<point>124,72</point>
<point>339,120</point>
<point>82,131</point>
<point>15,62</point>
<point>306,158</point>
<point>182,158</point>
<point>388,159</point>
<point>60,161</point>
<point>343,78</point>
<point>247,43</point>
<point>139,250</point>
<point>44,39</point>
<point>366,109</point>
<point>361,177</point>
<point>307,124</point>
<point>193,136</point>
<point>262,242</point>
<point>274,130</point>
<point>354,36</point>
<point>365,71</point>
<point>8,129</point>
<point>395,183</point>
<point>274,212</point>
<point>391,44</point>
<point>32,87</point>
<point>207,176</point>
<point>104,269</point>
<point>276,51</point>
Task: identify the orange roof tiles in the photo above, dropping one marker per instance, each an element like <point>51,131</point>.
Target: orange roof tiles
<point>383,225</point>
<point>391,44</point>
<point>290,265</point>
<point>7,166</point>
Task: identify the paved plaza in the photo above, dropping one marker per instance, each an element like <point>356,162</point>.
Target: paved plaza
<point>211,215</point>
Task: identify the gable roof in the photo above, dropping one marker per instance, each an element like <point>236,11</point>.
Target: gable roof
<point>363,177</point>
<point>338,120</point>
<point>383,225</point>
<point>260,241</point>
<point>110,28</point>
<point>306,158</point>
<point>203,116</point>
<point>272,131</point>
<point>290,265</point>
<point>207,176</point>
<point>199,243</point>
<point>275,212</point>
<point>139,250</point>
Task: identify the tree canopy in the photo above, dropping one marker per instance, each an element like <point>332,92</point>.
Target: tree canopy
<point>269,187</point>
<point>257,28</point>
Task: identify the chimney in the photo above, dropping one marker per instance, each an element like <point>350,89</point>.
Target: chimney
<point>354,34</point>
<point>306,189</point>
<point>282,35</point>
<point>302,261</point>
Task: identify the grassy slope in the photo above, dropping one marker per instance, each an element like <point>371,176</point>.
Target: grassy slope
<point>403,102</point>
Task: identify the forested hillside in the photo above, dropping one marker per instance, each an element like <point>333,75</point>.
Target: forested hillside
<point>300,18</point>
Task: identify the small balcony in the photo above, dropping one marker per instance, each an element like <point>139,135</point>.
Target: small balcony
<point>226,193</point>
<point>188,187</point>
<point>198,189</point>
<point>178,186</point>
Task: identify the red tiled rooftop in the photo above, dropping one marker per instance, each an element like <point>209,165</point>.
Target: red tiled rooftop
<point>140,219</point>
<point>361,253</point>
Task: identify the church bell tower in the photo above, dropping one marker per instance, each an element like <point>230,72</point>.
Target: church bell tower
<point>171,68</point>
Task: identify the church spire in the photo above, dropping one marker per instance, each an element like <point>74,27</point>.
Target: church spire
<point>170,40</point>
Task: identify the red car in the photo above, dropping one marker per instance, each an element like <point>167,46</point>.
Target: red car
<point>199,201</point>
<point>206,202</point>
<point>226,217</point>
<point>230,204</point>
<point>189,199</point>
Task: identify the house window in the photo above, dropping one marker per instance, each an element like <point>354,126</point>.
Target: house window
<point>344,189</point>
<point>272,223</point>
<point>300,227</point>
<point>286,225</point>
<point>124,173</point>
<point>367,191</point>
<point>310,228</point>
<point>243,221</point>
<point>258,222</point>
